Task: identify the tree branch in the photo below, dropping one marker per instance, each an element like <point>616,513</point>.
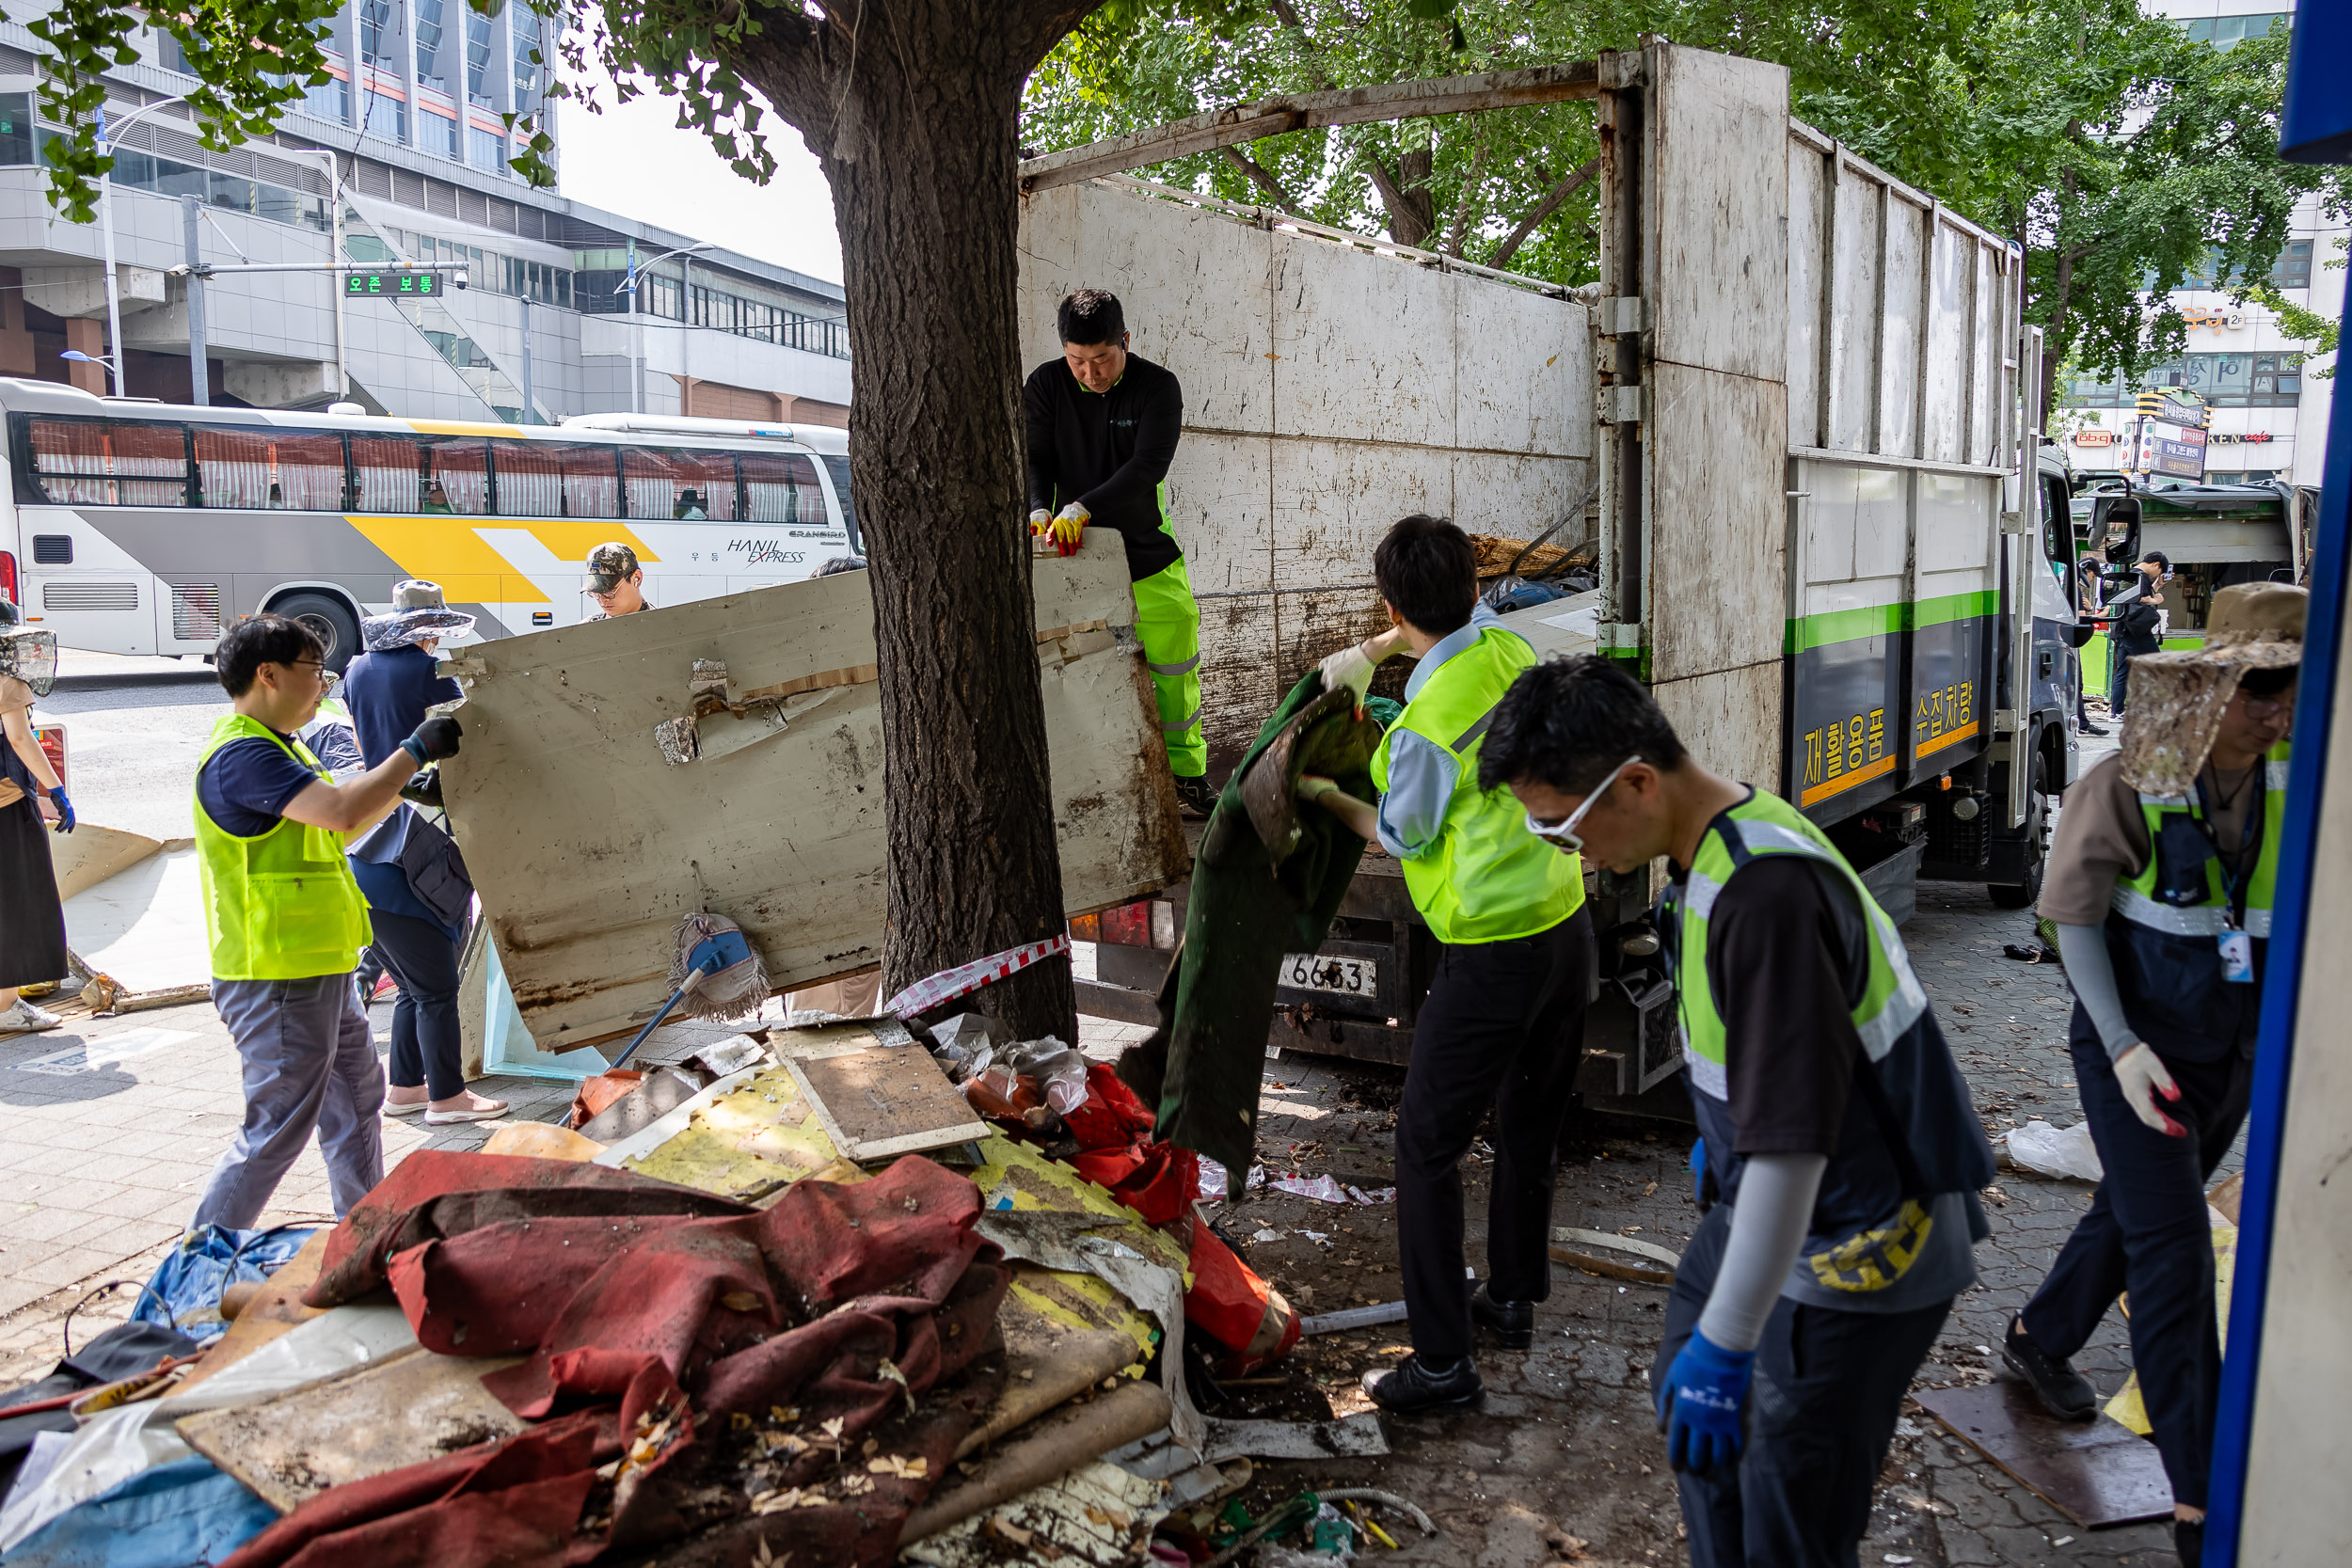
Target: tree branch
<point>1260,177</point>
<point>1567,187</point>
<point>1459,230</point>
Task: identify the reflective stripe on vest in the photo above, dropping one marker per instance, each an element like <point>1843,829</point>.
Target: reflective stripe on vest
<point>2135,901</point>
<point>1765,824</point>
<point>1486,878</point>
<point>281,905</point>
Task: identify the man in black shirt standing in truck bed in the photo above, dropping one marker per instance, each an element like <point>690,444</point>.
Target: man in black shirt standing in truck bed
<point>1103,425</point>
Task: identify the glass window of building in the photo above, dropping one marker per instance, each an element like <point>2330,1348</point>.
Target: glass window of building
<point>435,133</point>
<point>478,56</point>
<point>432,70</point>
<point>16,127</point>
<point>485,149</point>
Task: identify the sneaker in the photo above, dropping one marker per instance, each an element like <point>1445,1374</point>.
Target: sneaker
<point>1512,1322</point>
<point>1195,795</point>
<point>2063,1391</point>
<point>1416,1387</point>
<point>22,1015</point>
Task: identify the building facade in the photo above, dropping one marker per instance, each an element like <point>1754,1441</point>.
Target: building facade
<point>2269,410</point>
<point>411,135</point>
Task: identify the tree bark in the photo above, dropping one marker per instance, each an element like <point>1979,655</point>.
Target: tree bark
<point>913,118</point>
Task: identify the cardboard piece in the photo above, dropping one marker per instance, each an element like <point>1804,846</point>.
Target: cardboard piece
<point>1047,1362</point>
<point>2095,1473</point>
<point>878,1102</point>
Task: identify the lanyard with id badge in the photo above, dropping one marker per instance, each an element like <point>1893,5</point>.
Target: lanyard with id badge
<point>2236,944</point>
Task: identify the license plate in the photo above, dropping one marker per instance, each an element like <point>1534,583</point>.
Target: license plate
<point>1322,972</point>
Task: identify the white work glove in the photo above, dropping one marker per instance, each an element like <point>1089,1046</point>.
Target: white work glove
<point>1352,668</point>
<point>2142,1077</point>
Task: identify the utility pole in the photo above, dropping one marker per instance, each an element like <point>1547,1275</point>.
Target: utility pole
<point>199,369</point>
<point>686,339</point>
<point>529,417</point>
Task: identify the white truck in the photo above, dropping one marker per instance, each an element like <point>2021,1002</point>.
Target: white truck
<point>1828,535</point>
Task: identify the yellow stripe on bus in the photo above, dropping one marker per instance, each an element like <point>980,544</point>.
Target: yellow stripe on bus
<point>460,427</point>
<point>1847,781</point>
<point>450,550</point>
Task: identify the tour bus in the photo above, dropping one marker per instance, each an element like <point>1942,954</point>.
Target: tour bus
<point>138,527</point>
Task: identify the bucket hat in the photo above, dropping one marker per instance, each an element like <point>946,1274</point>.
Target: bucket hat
<point>2178,697</point>
<point>418,612</point>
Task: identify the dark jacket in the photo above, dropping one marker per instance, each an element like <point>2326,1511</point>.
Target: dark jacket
<point>1107,450</point>
<point>2133,622</point>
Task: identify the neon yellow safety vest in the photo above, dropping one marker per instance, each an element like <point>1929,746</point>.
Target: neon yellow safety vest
<point>2164,927</point>
<point>1486,878</point>
<point>281,905</point>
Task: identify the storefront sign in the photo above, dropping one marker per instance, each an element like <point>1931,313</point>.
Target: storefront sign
<point>2176,451</point>
<point>2094,436</point>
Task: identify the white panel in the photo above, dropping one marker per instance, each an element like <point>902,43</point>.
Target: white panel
<point>1956,524</point>
<point>1525,381</point>
<point>1806,178</point>
<point>1221,502</point>
<point>1828,517</point>
<point>1338,497</point>
<point>1948,345</point>
<point>1854,320</point>
<point>1898,370</point>
<point>1881,523</point>
<point>1988,356</point>
<point>1719,521</point>
<point>1729,720</point>
<point>1516,497</point>
<point>1719,139</point>
<point>1363,348</point>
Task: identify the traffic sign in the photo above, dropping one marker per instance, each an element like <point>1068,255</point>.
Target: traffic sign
<point>396,285</point>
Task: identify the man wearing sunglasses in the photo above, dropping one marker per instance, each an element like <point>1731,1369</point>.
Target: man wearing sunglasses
<point>1502,1025</point>
<point>286,921</point>
<point>1839,1151</point>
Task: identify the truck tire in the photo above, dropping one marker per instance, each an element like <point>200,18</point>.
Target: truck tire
<point>329,619</point>
<point>2020,896</point>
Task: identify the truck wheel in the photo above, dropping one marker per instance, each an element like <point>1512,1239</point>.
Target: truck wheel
<point>329,619</point>
<point>2020,896</point>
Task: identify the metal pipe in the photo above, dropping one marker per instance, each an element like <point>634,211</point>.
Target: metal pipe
<point>199,368</point>
<point>528,416</point>
<point>106,223</point>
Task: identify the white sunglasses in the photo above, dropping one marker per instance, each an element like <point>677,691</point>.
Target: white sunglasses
<point>1562,835</point>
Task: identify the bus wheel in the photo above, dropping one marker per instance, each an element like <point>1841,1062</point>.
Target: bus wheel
<point>329,619</point>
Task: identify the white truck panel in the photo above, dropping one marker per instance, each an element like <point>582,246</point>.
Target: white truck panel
<point>1721,214</point>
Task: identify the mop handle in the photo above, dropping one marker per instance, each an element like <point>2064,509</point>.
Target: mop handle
<point>693,978</point>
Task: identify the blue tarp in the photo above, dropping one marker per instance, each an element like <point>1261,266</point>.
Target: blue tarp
<point>185,1515</point>
<point>186,1288</point>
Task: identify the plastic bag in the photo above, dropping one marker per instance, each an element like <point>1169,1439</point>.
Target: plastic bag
<point>186,1289</point>
<point>2057,1151</point>
<point>1000,1092</point>
<point>1060,1072</point>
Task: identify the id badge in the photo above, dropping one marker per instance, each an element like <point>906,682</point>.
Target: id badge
<point>2237,957</point>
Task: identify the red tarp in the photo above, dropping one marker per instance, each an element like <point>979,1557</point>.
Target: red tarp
<point>849,1303</point>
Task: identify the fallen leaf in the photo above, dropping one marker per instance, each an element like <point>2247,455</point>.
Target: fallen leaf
<point>899,1467</point>
<point>741,1300</point>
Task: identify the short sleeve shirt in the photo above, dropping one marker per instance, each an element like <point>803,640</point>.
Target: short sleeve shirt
<point>243,786</point>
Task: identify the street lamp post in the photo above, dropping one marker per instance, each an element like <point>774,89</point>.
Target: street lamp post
<point>106,224</point>
<point>335,232</point>
<point>637,358</point>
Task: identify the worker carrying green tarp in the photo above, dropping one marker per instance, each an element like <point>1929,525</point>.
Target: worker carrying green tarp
<point>1103,426</point>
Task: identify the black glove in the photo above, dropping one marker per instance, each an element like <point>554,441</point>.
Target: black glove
<point>425,788</point>
<point>436,738</point>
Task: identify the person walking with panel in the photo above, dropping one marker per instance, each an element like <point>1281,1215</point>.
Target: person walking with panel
<point>1839,1157</point>
<point>2159,884</point>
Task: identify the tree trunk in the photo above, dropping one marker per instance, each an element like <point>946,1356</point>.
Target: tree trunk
<point>914,123</point>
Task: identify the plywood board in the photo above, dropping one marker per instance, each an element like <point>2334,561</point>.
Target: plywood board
<point>404,1410</point>
<point>1720,265</point>
<point>1719,529</point>
<point>1730,721</point>
<point>2095,1473</point>
<point>878,1102</point>
<point>587,847</point>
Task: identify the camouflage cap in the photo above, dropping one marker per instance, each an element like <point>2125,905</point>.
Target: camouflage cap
<point>608,565</point>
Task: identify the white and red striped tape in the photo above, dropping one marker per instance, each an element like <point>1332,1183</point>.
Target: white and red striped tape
<point>949,984</point>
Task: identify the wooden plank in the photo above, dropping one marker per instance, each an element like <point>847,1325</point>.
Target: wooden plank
<point>2096,1473</point>
<point>406,1409</point>
<point>878,1102</point>
<point>1272,117</point>
<point>587,847</point>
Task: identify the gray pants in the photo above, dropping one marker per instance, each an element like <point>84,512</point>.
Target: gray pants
<point>309,1062</point>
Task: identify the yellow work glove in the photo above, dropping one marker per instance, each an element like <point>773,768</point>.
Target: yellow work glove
<point>1069,528</point>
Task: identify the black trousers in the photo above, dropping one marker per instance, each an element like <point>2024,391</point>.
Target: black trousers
<point>1820,1414</point>
<point>2147,1233</point>
<point>1502,1026</point>
<point>425,1045</point>
<point>2122,655</point>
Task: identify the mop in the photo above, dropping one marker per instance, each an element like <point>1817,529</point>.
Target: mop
<point>714,974</point>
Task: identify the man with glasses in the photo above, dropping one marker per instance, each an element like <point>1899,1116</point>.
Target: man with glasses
<point>286,921</point>
<point>1839,1158</point>
<point>2160,886</point>
<point>1504,1022</point>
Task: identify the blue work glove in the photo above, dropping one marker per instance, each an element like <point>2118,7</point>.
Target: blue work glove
<point>1699,1404</point>
<point>1698,1172</point>
<point>66,818</point>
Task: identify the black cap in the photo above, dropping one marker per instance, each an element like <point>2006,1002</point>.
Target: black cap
<point>609,567</point>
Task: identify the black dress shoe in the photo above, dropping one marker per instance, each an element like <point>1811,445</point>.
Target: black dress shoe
<point>2092,729</point>
<point>2188,1540</point>
<point>1512,1322</point>
<point>2063,1391</point>
<point>1416,1387</point>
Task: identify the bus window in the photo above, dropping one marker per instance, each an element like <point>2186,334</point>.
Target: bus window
<point>269,471</point>
<point>540,478</point>
<point>457,477</point>
<point>781,487</point>
<point>387,474</point>
<point>837,469</point>
<point>100,463</point>
<point>682,485</point>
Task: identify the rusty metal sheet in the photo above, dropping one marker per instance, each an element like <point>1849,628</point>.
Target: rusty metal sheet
<point>587,845</point>
<point>2096,1473</point>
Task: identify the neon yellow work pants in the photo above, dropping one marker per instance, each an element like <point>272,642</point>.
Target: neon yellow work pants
<point>1168,622</point>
